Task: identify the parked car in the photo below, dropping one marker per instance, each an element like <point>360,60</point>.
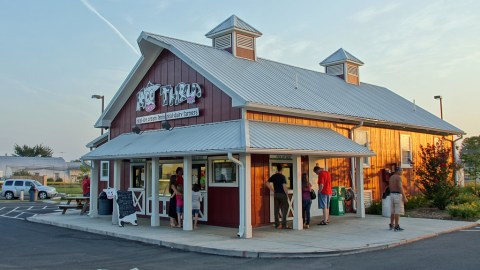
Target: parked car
<point>12,187</point>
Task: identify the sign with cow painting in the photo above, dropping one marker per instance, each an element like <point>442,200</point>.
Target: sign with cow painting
<point>171,96</point>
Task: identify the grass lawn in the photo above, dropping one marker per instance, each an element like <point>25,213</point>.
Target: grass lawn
<point>69,189</point>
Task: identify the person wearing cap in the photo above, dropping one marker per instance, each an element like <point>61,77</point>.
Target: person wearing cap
<point>397,196</point>
<point>86,185</point>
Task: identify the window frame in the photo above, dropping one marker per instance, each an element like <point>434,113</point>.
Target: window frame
<point>402,164</point>
<point>367,145</point>
<point>102,176</point>
<point>211,175</point>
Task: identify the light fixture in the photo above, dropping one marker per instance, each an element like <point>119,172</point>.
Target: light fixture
<point>441,109</point>
<point>103,102</point>
<point>166,125</point>
<point>136,129</point>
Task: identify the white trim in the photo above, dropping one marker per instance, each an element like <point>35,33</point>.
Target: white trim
<point>116,185</point>
<point>102,167</point>
<point>187,193</point>
<point>212,173</point>
<point>368,143</point>
<point>297,193</point>
<point>360,196</point>
<point>406,165</point>
<point>155,218</point>
<point>94,172</point>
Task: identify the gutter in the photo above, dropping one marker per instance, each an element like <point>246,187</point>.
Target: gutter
<point>241,229</point>
<point>455,156</point>
<point>352,161</point>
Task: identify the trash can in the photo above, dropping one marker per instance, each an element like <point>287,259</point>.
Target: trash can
<point>31,195</point>
<point>386,204</point>
<point>337,204</point>
<point>105,206</point>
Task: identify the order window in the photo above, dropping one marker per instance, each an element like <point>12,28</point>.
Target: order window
<point>224,173</point>
<point>104,170</point>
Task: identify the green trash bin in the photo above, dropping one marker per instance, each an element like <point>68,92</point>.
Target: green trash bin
<point>337,204</point>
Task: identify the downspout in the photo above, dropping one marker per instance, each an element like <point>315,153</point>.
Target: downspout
<point>241,230</point>
<point>352,162</point>
<point>455,157</point>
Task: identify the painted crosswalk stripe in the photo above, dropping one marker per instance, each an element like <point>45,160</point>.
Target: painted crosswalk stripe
<point>30,208</point>
<point>45,207</point>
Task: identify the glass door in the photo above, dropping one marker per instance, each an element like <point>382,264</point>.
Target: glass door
<point>199,177</point>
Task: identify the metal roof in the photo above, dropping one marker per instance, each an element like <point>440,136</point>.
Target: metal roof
<point>230,136</point>
<point>284,87</point>
<point>231,23</point>
<point>340,56</point>
<point>302,139</point>
<point>99,140</point>
<point>189,140</point>
<point>33,163</point>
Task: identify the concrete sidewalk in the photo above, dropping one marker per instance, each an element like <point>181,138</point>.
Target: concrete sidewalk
<point>345,235</point>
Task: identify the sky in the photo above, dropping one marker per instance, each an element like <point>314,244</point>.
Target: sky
<point>55,54</point>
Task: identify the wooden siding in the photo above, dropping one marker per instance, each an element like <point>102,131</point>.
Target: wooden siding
<point>260,194</point>
<point>385,143</point>
<point>245,53</point>
<point>223,206</point>
<point>168,69</point>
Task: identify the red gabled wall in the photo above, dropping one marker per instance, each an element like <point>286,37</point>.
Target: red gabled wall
<point>168,69</point>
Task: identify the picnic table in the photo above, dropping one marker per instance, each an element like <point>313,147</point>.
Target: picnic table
<point>82,203</point>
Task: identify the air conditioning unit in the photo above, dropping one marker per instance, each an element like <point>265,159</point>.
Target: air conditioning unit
<point>367,198</point>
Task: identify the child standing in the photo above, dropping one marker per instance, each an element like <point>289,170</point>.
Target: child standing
<point>179,198</point>
<point>196,199</point>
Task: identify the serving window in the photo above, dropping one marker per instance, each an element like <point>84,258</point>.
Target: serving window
<point>224,172</point>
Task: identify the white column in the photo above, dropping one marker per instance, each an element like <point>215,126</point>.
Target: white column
<point>94,188</point>
<point>187,194</point>
<point>297,193</point>
<point>359,185</point>
<point>155,218</point>
<point>245,189</point>
<point>116,185</point>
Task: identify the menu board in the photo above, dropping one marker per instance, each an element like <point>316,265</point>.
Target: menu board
<point>125,203</point>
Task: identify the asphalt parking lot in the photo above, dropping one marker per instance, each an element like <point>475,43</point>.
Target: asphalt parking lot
<point>22,210</point>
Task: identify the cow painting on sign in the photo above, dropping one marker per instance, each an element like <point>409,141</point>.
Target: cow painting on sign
<point>146,97</point>
<point>182,92</point>
<point>127,215</point>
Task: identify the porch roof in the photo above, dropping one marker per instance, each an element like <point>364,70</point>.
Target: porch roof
<point>232,136</point>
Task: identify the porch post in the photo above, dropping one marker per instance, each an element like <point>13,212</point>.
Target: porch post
<point>94,188</point>
<point>116,185</point>
<point>155,218</point>
<point>359,185</point>
<point>245,184</point>
<point>187,193</point>
<point>297,193</point>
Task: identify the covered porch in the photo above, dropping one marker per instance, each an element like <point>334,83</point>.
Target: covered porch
<point>236,141</point>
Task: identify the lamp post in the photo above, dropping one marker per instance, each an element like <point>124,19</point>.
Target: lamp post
<point>441,109</point>
<point>103,102</point>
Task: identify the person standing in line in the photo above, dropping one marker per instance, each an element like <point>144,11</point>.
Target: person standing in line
<point>172,206</point>
<point>397,197</point>
<point>278,184</point>
<point>174,191</point>
<point>306,200</point>
<point>324,193</point>
<point>196,199</point>
<point>86,185</point>
<point>179,197</point>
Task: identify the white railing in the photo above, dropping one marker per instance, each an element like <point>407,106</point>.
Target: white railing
<point>138,195</point>
<point>202,216</point>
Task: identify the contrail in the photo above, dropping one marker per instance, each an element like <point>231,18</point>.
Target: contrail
<point>92,9</point>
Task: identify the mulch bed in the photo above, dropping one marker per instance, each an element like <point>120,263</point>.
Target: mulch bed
<point>433,213</point>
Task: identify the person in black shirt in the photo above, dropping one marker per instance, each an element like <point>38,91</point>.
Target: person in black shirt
<point>280,198</point>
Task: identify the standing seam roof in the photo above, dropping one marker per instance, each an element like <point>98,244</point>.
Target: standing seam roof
<point>272,83</point>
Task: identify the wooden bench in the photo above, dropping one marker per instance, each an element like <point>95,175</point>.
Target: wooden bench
<point>65,207</point>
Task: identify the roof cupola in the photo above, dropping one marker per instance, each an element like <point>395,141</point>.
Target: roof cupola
<point>344,65</point>
<point>235,36</point>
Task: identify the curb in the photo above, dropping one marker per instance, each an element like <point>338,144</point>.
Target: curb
<point>247,254</point>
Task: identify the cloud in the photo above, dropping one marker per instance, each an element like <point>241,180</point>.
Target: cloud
<point>372,12</point>
<point>122,37</point>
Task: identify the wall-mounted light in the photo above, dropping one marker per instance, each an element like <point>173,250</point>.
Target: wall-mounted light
<point>166,125</point>
<point>136,129</point>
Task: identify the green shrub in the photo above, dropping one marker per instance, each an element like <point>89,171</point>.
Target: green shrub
<point>465,198</point>
<point>417,201</point>
<point>50,180</point>
<point>466,210</point>
<point>375,208</point>
<point>58,180</point>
